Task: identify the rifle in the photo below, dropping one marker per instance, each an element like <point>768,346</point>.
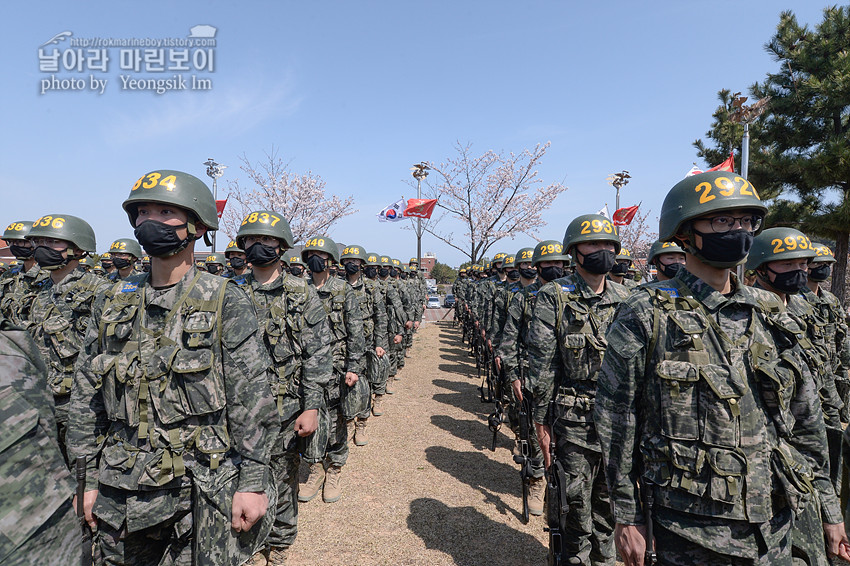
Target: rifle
<point>650,558</point>
<point>556,486</point>
<point>524,459</point>
<point>495,420</point>
<point>485,362</point>
<point>86,559</point>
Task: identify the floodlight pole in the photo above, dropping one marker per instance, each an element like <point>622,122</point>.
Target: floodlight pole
<point>214,171</point>
<point>420,171</point>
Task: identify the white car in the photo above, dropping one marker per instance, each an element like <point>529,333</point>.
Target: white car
<point>434,302</point>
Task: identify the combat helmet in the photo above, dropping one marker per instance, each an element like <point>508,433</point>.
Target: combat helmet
<point>549,250</point>
<point>822,254</point>
<point>354,252</point>
<point>214,259</point>
<point>321,244</point>
<point>591,228</point>
<point>17,230</point>
<point>126,246</point>
<point>265,223</point>
<point>180,189</point>
<point>524,255</point>
<point>233,247</point>
<point>65,227</point>
<point>660,247</point>
<point>777,244</point>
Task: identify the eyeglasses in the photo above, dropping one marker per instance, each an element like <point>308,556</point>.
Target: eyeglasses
<point>46,242</point>
<point>722,224</point>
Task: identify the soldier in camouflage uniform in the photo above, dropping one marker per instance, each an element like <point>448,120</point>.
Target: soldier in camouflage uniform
<point>783,270</point>
<point>703,403</point>
<point>566,341</point>
<point>667,257</point>
<point>832,319</point>
<point>19,285</point>
<point>124,252</point>
<point>620,273</point>
<point>358,402</point>
<point>327,450</point>
<point>512,355</point>
<point>214,264</point>
<point>295,333</point>
<point>39,523</point>
<point>60,310</point>
<point>171,403</point>
<point>106,264</point>
<point>237,261</point>
<point>387,325</point>
<point>397,315</point>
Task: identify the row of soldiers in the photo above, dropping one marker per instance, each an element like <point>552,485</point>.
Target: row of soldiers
<point>186,400</point>
<point>692,411</point>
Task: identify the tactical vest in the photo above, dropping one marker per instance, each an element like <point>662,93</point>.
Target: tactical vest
<point>333,301</point>
<point>61,328</point>
<point>364,292</point>
<point>529,295</point>
<point>720,450</point>
<point>17,293</point>
<point>162,388</point>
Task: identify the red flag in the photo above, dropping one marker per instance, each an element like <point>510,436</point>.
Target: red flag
<point>728,165</point>
<point>420,208</point>
<point>219,207</point>
<point>624,216</point>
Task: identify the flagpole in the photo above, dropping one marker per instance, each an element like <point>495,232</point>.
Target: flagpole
<point>420,171</point>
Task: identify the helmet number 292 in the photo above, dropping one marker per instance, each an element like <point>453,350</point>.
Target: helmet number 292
<point>726,187</point>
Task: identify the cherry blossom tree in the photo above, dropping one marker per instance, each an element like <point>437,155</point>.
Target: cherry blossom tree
<point>494,196</point>
<point>638,237</point>
<point>300,198</point>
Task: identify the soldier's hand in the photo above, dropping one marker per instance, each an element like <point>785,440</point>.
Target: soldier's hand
<point>408,324</point>
<point>631,543</point>
<point>517,388</point>
<point>307,422</point>
<point>89,498</point>
<point>544,433</point>
<point>380,352</point>
<point>837,543</point>
<point>498,361</point>
<point>416,325</point>
<point>248,508</point>
<point>490,344</point>
<point>350,378</point>
<point>397,339</point>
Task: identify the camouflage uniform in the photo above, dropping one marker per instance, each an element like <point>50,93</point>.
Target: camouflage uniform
<point>566,343</point>
<point>173,411</point>
<point>60,314</point>
<point>374,315</point>
<point>39,524</point>
<point>397,317</point>
<point>513,351</point>
<point>832,321</point>
<point>18,289</point>
<point>347,346</point>
<point>703,398</point>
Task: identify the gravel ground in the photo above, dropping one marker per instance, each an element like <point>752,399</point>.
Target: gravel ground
<point>427,489</point>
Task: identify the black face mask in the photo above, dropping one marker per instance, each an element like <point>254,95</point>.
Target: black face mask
<point>261,254</point>
<point>237,262</point>
<point>20,252</point>
<point>725,250</point>
<point>552,272</point>
<point>106,264</point>
<point>122,263</point>
<point>214,269</point>
<point>790,281</point>
<point>146,268</point>
<point>316,264</point>
<point>599,262</point>
<point>351,268</point>
<point>671,270</point>
<point>160,240</point>
<point>513,274</point>
<point>528,272</point>
<point>393,272</point>
<point>820,272</point>
<point>332,271</point>
<point>384,271</point>
<point>620,269</point>
<point>48,258</point>
<point>296,270</point>
<point>371,271</point>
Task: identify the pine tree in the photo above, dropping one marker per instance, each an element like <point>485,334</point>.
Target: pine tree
<point>806,129</point>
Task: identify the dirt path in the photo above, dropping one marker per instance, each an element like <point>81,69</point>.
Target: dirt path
<point>427,489</point>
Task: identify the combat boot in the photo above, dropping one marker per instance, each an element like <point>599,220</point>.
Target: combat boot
<point>277,556</point>
<point>390,380</point>
<point>378,405</point>
<point>536,494</point>
<point>360,438</point>
<point>311,487</point>
<point>332,491</point>
<point>260,558</point>
<point>349,427</point>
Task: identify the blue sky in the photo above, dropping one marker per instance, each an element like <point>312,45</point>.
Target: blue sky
<point>359,91</point>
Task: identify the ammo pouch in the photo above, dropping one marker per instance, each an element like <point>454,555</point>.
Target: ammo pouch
<point>216,543</point>
<point>792,476</point>
<point>355,399</point>
<point>377,369</point>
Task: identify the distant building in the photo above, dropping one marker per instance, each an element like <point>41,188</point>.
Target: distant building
<point>428,262</point>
